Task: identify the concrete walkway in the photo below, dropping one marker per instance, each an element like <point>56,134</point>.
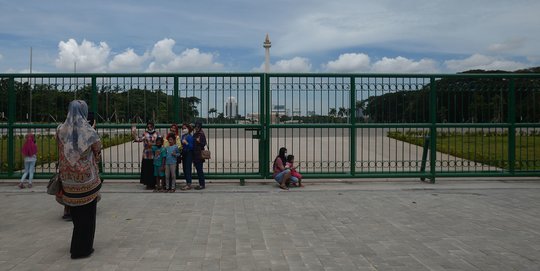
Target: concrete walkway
<point>405,225</point>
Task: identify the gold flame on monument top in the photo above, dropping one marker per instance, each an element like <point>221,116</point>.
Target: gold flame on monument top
<point>267,42</point>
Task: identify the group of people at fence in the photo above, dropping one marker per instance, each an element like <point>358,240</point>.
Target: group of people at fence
<point>161,157</point>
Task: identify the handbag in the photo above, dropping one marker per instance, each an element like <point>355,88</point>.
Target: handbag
<point>206,154</point>
<point>55,184</point>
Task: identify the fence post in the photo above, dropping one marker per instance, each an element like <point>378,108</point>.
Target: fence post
<point>433,127</point>
<point>176,104</point>
<point>424,156</point>
<point>94,105</point>
<point>512,128</point>
<point>11,119</point>
<point>266,129</point>
<point>352,116</point>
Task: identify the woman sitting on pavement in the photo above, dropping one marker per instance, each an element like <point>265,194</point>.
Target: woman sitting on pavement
<point>281,174</point>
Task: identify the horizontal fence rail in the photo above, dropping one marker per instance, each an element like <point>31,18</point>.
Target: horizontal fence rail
<point>336,125</point>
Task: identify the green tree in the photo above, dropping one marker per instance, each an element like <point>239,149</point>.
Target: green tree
<point>332,112</point>
<point>343,112</point>
<point>212,111</point>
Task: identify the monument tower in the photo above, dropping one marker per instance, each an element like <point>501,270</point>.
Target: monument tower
<point>267,44</point>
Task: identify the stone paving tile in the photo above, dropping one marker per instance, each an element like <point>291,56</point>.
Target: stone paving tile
<point>488,227</point>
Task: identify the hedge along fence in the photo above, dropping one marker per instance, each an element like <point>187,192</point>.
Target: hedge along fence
<point>48,148</point>
<point>486,147</point>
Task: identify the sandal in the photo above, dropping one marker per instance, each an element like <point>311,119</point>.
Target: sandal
<point>283,187</point>
<point>21,185</point>
<point>186,187</point>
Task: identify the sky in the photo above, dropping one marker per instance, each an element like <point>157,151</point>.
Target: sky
<point>384,36</point>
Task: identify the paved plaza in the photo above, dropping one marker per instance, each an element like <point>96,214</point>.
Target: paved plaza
<point>328,225</point>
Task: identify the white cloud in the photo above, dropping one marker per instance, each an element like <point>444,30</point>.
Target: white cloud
<point>295,64</point>
<point>127,61</point>
<point>163,50</point>
<point>405,65</point>
<point>164,59</point>
<point>359,62</point>
<point>88,56</point>
<point>350,62</point>
<point>508,45</point>
<point>483,62</point>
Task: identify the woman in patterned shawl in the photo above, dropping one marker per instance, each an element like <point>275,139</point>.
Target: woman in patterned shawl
<point>79,149</point>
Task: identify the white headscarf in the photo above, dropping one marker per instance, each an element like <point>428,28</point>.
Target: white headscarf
<point>76,133</point>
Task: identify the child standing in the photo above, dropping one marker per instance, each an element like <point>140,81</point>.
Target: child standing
<point>29,152</point>
<point>296,177</point>
<point>173,153</point>
<point>160,154</point>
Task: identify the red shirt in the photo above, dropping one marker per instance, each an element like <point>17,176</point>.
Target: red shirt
<point>278,166</point>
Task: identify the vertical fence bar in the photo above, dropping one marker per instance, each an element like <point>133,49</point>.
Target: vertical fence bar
<point>265,87</point>
<point>176,105</point>
<point>352,116</point>
<point>433,127</point>
<point>94,105</point>
<point>11,120</point>
<point>512,128</point>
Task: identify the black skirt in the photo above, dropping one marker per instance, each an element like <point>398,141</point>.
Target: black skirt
<point>147,173</point>
<point>84,228</point>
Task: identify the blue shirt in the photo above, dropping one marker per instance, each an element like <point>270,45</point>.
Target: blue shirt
<point>172,153</point>
<point>159,154</point>
<point>191,142</point>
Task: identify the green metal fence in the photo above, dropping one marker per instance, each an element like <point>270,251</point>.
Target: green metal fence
<point>336,125</point>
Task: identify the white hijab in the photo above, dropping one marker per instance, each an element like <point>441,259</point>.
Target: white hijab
<point>76,133</point>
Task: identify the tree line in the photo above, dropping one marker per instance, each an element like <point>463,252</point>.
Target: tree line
<point>472,100</point>
<point>49,103</point>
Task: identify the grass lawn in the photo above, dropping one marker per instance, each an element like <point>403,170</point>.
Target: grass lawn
<point>490,148</point>
<point>47,148</point>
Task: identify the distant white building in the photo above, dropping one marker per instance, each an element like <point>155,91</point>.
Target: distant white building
<point>231,108</point>
<point>280,110</point>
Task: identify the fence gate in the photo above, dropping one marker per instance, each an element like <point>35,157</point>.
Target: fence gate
<point>336,125</point>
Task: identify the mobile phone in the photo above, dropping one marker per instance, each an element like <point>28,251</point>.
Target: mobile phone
<point>90,118</point>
